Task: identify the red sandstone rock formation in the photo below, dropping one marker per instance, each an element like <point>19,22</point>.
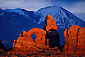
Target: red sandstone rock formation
<point>74,40</point>
<point>24,45</point>
<point>25,41</point>
<point>50,23</point>
<point>51,32</point>
<point>40,37</point>
<point>81,41</point>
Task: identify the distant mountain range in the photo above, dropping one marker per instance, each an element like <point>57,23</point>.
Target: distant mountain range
<point>14,21</point>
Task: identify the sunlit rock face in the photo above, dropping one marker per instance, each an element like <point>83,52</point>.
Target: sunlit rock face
<point>50,23</point>
<point>25,41</point>
<point>44,38</point>
<point>40,37</point>
<point>74,40</point>
<point>51,32</point>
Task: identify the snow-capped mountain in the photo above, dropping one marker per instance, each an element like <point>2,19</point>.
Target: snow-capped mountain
<point>63,18</point>
<point>14,21</point>
<point>27,14</point>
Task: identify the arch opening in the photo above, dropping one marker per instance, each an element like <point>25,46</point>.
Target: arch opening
<point>33,37</point>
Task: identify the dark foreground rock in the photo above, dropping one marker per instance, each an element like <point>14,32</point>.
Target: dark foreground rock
<point>1,45</point>
<point>2,48</point>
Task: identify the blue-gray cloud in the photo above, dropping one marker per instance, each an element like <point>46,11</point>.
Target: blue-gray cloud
<point>74,6</point>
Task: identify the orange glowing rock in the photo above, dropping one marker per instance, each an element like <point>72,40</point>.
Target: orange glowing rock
<point>74,39</point>
<point>50,23</point>
<point>51,32</point>
<point>81,40</point>
<point>25,41</point>
<point>65,34</point>
<point>47,43</point>
<point>74,44</point>
<point>40,37</point>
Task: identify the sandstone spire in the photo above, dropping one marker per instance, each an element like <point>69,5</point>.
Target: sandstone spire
<point>50,23</point>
